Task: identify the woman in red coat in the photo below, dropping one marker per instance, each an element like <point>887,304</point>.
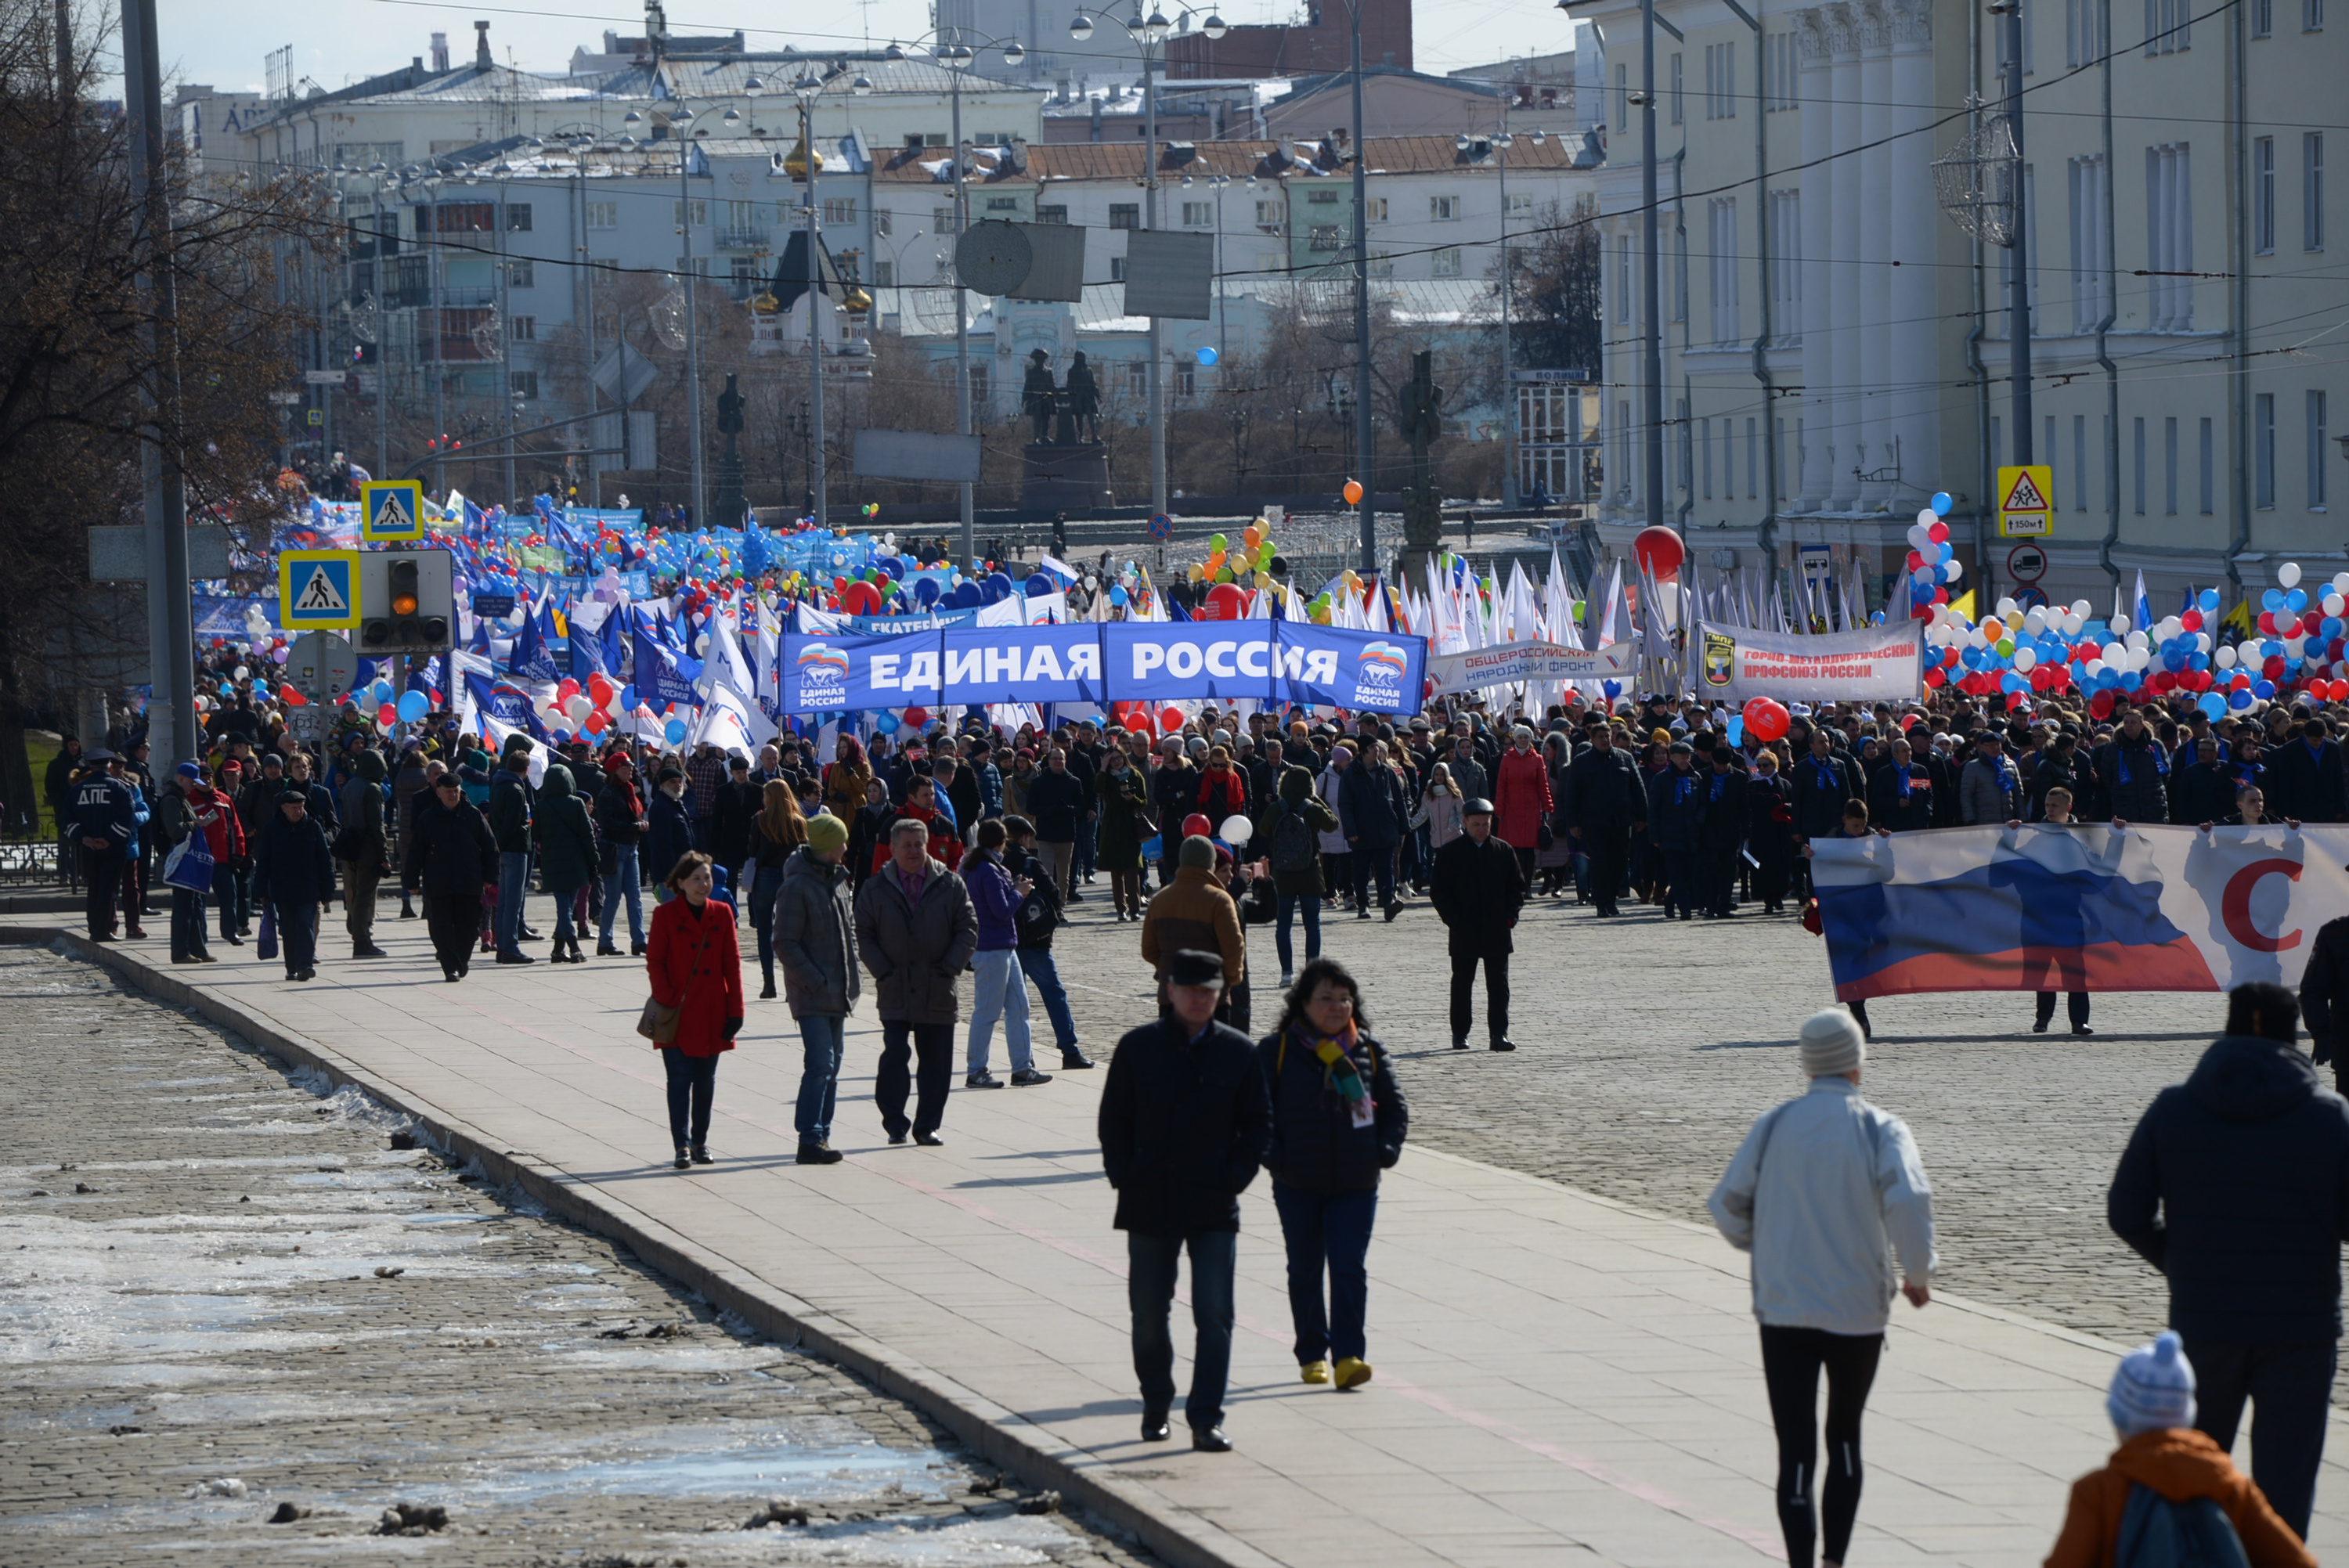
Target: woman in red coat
<point>696,968</point>
<point>1521,798</point>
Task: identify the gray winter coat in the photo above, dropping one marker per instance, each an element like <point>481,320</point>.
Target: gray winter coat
<point>918,952</point>
<point>1982,800</point>
<point>815,938</point>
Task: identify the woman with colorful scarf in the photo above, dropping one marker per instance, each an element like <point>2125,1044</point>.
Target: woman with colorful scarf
<point>1338,1119</point>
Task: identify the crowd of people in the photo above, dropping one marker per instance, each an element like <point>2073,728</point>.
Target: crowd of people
<point>924,857</point>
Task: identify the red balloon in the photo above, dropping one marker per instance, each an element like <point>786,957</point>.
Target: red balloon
<point>1196,824</point>
<point>861,599</point>
<point>1224,602</point>
<point>1661,551</point>
<point>291,698</point>
<point>918,716</point>
<point>1169,718</point>
<point>1934,677</point>
<point>1767,719</point>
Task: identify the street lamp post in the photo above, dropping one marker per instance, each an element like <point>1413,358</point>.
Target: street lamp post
<point>1499,145</point>
<point>957,56</point>
<point>1148,35</point>
<point>806,89</point>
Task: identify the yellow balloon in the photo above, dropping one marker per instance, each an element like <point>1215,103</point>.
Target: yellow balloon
<point>1198,573</point>
<point>1320,617</point>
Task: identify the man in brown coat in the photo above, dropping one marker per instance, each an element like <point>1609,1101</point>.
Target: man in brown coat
<point>916,931</point>
<point>1195,912</point>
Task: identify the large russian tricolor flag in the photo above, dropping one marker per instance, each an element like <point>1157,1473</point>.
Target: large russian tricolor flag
<point>2042,908</point>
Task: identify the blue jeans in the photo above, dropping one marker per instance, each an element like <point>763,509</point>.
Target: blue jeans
<point>514,876</point>
<point>692,1088</point>
<point>1290,903</point>
<point>1332,1230</point>
<point>824,1037</point>
<point>998,993</point>
<point>1036,963</point>
<point>624,881</point>
<point>1150,1264</point>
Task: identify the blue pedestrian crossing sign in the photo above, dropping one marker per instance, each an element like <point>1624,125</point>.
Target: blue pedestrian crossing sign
<point>391,509</point>
<point>318,588</point>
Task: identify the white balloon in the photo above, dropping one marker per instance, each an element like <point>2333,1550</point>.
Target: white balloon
<point>2116,652</point>
<point>2333,603</point>
<point>1957,568</point>
<point>2120,625</point>
<point>2202,642</point>
<point>1927,518</point>
<point>2138,641</point>
<point>242,672</point>
<point>2097,666</point>
<point>1918,538</point>
<point>2024,658</point>
<point>2005,607</point>
<point>2169,627</point>
<point>1236,830</point>
<point>2287,573</point>
<point>2341,582</point>
<point>2073,624</point>
<point>2081,608</point>
<point>2036,621</point>
<point>2224,658</point>
<point>579,707</point>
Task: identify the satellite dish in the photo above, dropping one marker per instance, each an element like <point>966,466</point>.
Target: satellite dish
<point>993,257</point>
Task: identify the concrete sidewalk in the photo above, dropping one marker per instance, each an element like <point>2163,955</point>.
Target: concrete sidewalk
<point>1554,1371</point>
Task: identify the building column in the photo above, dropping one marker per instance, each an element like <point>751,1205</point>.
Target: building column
<point>1817,218</point>
<point>1875,371</point>
<point>1843,139</point>
<point>1915,406</point>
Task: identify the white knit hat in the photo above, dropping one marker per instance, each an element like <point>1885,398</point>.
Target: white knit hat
<point>1831,1043</point>
<point>2153,1388</point>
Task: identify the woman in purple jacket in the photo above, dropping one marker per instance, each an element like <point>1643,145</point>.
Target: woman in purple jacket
<point>1000,991</point>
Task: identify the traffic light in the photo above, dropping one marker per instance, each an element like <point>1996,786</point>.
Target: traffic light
<point>406,601</point>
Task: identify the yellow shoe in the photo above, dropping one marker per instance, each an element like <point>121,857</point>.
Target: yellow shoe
<point>1315,1372</point>
<point>1353,1372</point>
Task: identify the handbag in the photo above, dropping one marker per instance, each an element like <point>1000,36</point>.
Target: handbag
<point>265,940</point>
<point>658,1023</point>
<point>1543,837</point>
<point>188,866</point>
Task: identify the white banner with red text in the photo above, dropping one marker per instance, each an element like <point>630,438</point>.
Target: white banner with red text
<point>1874,663</point>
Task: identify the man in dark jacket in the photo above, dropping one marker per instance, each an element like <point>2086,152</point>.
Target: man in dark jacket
<point>509,815</point>
<point>1900,796</point>
<point>1057,802</point>
<point>2324,999</point>
<point>1723,838</point>
<point>98,819</point>
<point>1821,782</point>
<point>1478,887</point>
<point>814,929</point>
<point>620,828</point>
<point>2203,792</point>
<point>916,931</point>
<point>1184,1123</point>
<point>1605,803</point>
<point>1366,813</point>
<point>2235,1185</point>
<point>362,837</point>
<point>449,855</point>
<point>293,874</point>
<point>2306,780</point>
<point>2135,773</point>
<point>1677,802</point>
<point>1033,921</point>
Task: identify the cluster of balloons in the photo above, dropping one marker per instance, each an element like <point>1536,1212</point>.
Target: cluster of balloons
<point>2301,642</point>
<point>1767,719</point>
<point>1225,565</point>
<point>1932,562</point>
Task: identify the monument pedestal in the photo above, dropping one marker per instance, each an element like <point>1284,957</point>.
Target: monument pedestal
<point>1070,478</point>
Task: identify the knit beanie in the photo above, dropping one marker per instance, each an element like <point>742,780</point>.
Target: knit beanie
<point>826,833</point>
<point>1831,1043</point>
<point>2153,1388</point>
<point>1198,851</point>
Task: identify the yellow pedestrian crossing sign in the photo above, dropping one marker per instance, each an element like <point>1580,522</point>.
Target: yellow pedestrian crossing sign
<point>318,588</point>
<point>391,509</point>
<point>2026,501</point>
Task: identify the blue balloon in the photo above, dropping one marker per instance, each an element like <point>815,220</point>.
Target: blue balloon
<point>2296,599</point>
<point>892,567</point>
<point>1206,357</point>
<point>885,722</point>
<point>2263,690</point>
<point>2240,698</point>
<point>2209,600</point>
<point>1943,502</point>
<point>674,732</point>
<point>627,700</point>
<point>967,596</point>
<point>2211,702</point>
<point>414,705</point>
<point>2272,600</point>
<point>1038,585</point>
<point>925,590</point>
<point>366,675</point>
<point>1117,595</point>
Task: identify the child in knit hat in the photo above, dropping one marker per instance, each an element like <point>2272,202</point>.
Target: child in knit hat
<point>2152,1408</point>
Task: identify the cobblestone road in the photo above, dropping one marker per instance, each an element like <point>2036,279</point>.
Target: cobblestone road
<point>225,1300</point>
<point>1647,1047</point>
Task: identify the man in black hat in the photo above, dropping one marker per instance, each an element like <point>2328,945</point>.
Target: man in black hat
<point>510,816</point>
<point>1185,1122</point>
<point>293,874</point>
<point>98,820</point>
<point>1478,888</point>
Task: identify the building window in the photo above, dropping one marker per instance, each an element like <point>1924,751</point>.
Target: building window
<point>1327,196</point>
<point>522,328</point>
<point>942,220</point>
<point>1124,215</point>
<point>521,274</point>
<point>1784,241</point>
<point>1137,378</point>
<point>2169,237</point>
<point>2168,26</point>
<point>1052,215</point>
<point>1325,238</point>
<point>1374,209</point>
<point>1381,264</point>
<point>1721,81</point>
<point>1623,279</point>
<point>1721,242</point>
<point>884,275</point>
<point>2316,451</point>
<point>1680,277</point>
<point>1198,214</point>
<point>2210,469</point>
<point>1271,261</point>
<point>995,204</point>
<point>1117,269</point>
<point>2263,19</point>
<point>2312,16</point>
<point>1622,96</point>
<point>603,214</point>
<point>1268,216</point>
<point>2263,224</point>
<point>980,387</point>
<point>2084,41</point>
<point>1675,100</point>
<point>1443,209</point>
<point>2263,451</point>
<point>2138,490</point>
<point>464,218</point>
<point>1445,262</point>
<point>2169,466</point>
<point>1705,441</point>
<point>2092,244</point>
<point>517,217</point>
<point>881,223</point>
<point>700,209</point>
<point>1186,378</point>
<point>840,210</point>
<point>524,383</point>
<point>2311,190</point>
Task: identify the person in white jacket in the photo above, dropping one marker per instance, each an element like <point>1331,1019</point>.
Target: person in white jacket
<point>1824,1190</point>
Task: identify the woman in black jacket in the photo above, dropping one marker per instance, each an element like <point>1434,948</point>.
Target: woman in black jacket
<point>451,855</point>
<point>1338,1119</point>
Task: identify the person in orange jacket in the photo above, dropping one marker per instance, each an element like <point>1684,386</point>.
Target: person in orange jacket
<point>2162,1457</point>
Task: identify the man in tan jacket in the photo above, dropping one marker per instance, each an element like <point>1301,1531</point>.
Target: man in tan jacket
<point>1193,911</point>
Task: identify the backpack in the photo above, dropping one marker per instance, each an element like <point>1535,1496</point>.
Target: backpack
<point>2159,1534</point>
<point>1035,919</point>
<point>1294,846</point>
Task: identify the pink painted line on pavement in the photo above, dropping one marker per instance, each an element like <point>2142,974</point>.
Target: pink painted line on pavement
<point>1605,1475</point>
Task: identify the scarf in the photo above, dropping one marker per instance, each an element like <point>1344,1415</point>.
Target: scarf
<point>1339,1075</point>
<point>1719,780</point>
<point>2121,762</point>
<point>2005,774</point>
<point>1902,773</point>
<point>1825,773</point>
<point>1683,786</point>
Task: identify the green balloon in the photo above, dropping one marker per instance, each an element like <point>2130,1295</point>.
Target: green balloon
<point>1217,541</point>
